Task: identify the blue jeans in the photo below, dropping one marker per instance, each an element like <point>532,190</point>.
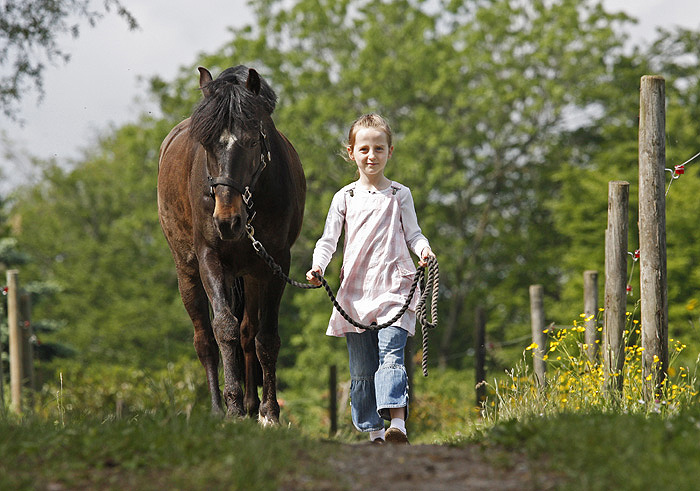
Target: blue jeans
<point>378,380</point>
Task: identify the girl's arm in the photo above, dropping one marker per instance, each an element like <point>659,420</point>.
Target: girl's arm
<point>416,241</point>
<point>327,244</point>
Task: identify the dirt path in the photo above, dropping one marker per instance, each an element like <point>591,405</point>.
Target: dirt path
<point>429,467</point>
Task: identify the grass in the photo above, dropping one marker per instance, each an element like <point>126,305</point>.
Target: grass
<point>593,435</point>
<point>588,450</point>
<point>117,428</point>
<point>595,450</point>
<point>152,451</point>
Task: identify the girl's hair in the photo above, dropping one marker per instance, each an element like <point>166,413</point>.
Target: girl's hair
<point>371,120</point>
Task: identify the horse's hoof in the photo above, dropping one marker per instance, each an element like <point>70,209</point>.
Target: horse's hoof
<point>267,421</point>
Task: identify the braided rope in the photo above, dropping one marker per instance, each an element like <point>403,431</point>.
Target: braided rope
<point>372,326</point>
<point>429,287</point>
<point>276,268</point>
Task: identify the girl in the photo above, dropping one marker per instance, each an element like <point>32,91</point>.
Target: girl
<point>380,226</point>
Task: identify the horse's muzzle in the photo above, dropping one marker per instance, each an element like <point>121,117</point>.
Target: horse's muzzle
<point>230,228</point>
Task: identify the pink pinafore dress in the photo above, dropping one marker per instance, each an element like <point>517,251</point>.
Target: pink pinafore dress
<point>377,270</point>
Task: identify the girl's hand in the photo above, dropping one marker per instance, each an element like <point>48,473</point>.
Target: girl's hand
<point>426,253</point>
<point>310,275</point>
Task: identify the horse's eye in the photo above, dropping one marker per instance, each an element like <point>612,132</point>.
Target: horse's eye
<point>250,142</point>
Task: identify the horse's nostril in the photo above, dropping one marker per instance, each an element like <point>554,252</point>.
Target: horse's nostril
<point>229,228</point>
<point>236,222</point>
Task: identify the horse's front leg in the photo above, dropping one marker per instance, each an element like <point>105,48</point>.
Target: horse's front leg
<point>249,328</point>
<point>226,329</point>
<point>267,346</point>
<point>197,306</point>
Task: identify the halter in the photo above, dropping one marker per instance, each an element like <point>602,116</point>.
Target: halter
<point>246,192</point>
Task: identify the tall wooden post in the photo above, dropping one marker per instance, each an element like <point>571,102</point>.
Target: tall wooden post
<point>652,233</point>
<point>15,340</point>
<point>615,283</point>
<point>538,335</point>
<point>590,310</point>
<point>480,355</point>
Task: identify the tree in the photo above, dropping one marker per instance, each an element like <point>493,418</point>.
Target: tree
<point>29,32</point>
<point>93,231</point>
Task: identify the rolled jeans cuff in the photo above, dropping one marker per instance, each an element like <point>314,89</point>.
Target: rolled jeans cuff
<point>391,389</point>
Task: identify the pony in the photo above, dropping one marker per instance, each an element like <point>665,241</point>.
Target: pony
<point>227,177</point>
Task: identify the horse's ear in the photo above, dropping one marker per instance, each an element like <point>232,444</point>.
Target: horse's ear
<point>204,79</point>
<point>253,82</point>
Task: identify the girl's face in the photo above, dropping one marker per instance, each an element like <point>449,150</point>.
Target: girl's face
<point>370,152</point>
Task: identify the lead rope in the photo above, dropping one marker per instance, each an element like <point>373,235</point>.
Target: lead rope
<point>429,287</point>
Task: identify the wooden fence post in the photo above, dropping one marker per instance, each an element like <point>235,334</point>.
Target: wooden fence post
<point>590,310</point>
<point>538,335</point>
<point>615,283</point>
<point>15,340</point>
<point>652,233</point>
<point>333,399</point>
<point>480,355</point>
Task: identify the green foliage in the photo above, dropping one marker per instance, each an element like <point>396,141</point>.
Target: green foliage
<point>93,231</point>
<point>510,117</point>
<point>109,391</point>
<point>579,208</point>
<point>443,405</point>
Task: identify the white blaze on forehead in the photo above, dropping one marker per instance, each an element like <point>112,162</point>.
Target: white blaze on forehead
<point>227,138</point>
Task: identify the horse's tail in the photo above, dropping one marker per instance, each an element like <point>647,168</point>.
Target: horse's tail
<point>238,311</point>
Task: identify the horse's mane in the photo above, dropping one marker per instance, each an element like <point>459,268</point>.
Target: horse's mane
<point>230,105</point>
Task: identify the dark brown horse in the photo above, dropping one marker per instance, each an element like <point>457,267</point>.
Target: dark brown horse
<point>226,174</point>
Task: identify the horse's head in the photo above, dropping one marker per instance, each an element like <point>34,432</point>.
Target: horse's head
<point>230,124</point>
